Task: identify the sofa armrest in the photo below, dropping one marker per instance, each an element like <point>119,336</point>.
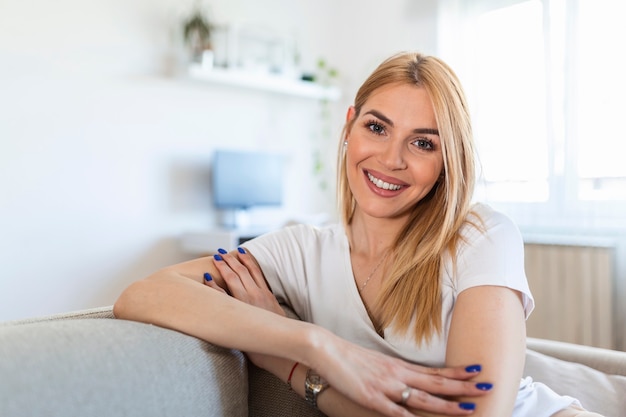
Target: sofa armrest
<point>91,313</point>
<point>594,376</point>
<point>604,360</point>
<point>71,365</point>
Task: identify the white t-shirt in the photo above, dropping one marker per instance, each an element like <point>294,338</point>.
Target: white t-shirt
<point>309,269</point>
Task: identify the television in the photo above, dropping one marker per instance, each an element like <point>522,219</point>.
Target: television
<point>245,179</point>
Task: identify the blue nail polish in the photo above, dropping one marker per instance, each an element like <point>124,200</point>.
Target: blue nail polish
<point>484,386</point>
<point>473,368</point>
<point>218,257</point>
<point>241,250</point>
<point>208,276</point>
<point>467,406</point>
<point>222,251</point>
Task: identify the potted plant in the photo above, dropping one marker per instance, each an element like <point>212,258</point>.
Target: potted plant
<point>197,34</point>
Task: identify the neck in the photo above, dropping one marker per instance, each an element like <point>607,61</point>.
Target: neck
<point>372,237</point>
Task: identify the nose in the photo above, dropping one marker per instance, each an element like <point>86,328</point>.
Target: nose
<point>392,156</point>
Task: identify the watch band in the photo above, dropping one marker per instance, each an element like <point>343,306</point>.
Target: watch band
<point>314,384</point>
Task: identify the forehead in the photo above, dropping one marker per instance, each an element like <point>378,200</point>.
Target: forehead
<point>403,104</point>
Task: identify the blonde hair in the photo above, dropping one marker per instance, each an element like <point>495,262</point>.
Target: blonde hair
<point>412,289</point>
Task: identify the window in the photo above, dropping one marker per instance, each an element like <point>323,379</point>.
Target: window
<point>600,93</point>
<point>544,81</point>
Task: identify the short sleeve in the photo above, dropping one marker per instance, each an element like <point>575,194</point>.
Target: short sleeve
<point>493,254</point>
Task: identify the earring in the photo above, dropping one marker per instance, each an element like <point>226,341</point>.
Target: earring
<point>345,143</point>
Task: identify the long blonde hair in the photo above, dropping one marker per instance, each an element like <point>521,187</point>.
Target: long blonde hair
<point>412,289</point>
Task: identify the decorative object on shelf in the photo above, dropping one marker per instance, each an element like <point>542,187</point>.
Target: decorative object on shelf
<point>197,31</point>
<point>256,48</point>
<point>325,76</point>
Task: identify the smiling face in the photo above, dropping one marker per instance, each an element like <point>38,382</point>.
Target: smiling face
<point>393,153</point>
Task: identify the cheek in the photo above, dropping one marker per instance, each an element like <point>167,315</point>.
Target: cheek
<point>352,169</point>
<point>355,152</point>
<point>431,173</point>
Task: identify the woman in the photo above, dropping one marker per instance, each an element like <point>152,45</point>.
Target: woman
<point>414,274</point>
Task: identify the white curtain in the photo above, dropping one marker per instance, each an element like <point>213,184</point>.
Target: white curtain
<point>544,81</point>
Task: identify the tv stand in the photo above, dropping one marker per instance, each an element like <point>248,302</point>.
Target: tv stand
<point>236,219</point>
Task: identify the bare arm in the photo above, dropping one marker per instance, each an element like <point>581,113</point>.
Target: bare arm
<point>488,327</point>
<point>169,300</point>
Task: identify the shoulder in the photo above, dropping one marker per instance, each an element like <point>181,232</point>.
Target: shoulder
<point>490,245</point>
<point>489,225</point>
<point>301,237</point>
<point>308,232</point>
<point>489,217</point>
<point>491,252</point>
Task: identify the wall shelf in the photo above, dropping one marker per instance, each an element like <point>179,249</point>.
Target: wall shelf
<point>265,82</point>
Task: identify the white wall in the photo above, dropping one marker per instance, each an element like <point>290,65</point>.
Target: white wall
<point>104,160</point>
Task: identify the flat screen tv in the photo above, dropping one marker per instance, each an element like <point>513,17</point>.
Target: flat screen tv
<point>245,179</point>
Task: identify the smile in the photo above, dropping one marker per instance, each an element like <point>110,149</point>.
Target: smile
<point>382,184</point>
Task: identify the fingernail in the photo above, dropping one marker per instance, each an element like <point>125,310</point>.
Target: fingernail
<point>473,368</point>
<point>241,250</point>
<point>208,276</point>
<point>218,257</point>
<point>222,251</point>
<point>484,386</point>
<point>467,406</point>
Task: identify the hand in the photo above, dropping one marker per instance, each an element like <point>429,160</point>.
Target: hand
<point>245,280</point>
<point>377,381</point>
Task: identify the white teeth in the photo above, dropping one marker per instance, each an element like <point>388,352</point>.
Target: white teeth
<point>382,184</point>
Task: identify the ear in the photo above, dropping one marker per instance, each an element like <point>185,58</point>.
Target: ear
<point>350,114</point>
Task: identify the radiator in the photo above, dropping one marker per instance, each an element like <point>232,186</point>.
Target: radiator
<point>573,290</point>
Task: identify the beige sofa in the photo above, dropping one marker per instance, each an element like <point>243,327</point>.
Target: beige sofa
<point>89,364</point>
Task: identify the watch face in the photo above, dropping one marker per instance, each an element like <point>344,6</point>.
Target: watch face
<point>316,381</point>
<point>313,384</point>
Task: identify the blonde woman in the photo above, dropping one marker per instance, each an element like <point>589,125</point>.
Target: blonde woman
<point>414,274</point>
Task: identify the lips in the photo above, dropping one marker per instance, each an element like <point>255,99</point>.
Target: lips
<point>382,184</point>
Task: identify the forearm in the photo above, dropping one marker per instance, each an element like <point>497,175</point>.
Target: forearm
<point>171,301</point>
<point>331,402</point>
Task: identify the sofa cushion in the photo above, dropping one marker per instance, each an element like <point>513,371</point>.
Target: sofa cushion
<point>597,391</point>
<point>271,397</point>
<point>106,367</point>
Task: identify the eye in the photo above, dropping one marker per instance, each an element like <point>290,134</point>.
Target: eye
<point>375,127</point>
<point>425,144</point>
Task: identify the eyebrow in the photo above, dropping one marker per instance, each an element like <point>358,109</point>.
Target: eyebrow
<point>424,131</point>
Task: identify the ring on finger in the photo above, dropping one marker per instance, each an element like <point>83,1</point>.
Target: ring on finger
<point>406,393</point>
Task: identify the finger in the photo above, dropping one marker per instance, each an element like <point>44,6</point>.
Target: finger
<point>377,401</point>
<point>442,386</point>
<point>230,277</point>
<point>246,276</point>
<point>437,381</point>
<point>208,281</point>
<point>420,400</point>
<point>252,266</point>
<point>460,373</point>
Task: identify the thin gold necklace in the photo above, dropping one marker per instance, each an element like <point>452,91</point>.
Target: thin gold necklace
<point>374,271</point>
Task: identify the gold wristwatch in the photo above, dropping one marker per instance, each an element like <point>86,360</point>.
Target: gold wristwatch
<point>314,384</point>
